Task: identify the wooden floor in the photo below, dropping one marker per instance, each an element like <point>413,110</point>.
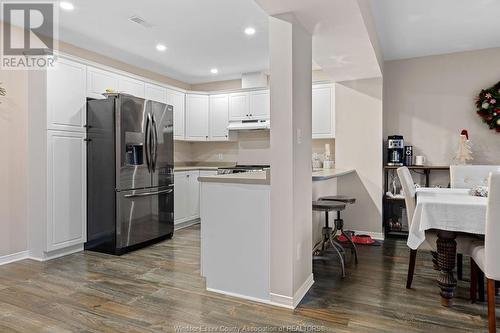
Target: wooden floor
<point>158,289</point>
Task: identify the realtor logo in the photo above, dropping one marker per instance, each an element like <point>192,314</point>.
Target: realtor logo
<point>28,34</point>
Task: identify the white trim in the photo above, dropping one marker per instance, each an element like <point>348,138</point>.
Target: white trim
<point>253,299</point>
<point>292,302</point>
<point>58,253</point>
<point>250,298</point>
<point>302,291</point>
<point>10,258</point>
<point>374,235</point>
<point>282,300</point>
<point>182,225</point>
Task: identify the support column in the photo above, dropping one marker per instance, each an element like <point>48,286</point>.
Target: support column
<point>291,184</point>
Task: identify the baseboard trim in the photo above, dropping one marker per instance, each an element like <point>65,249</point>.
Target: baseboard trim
<point>186,224</point>
<point>282,301</point>
<point>57,253</point>
<point>10,258</point>
<point>302,291</point>
<point>250,298</point>
<point>292,302</point>
<point>375,235</point>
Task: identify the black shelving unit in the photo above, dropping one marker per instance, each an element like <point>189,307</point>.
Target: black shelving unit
<point>392,206</point>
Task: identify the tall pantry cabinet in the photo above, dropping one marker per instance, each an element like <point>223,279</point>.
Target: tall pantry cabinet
<point>57,160</point>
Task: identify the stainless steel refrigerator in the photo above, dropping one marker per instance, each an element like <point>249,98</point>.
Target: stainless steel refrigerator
<point>130,200</point>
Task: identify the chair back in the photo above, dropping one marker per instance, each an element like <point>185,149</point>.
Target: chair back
<point>492,237</point>
<point>408,186</point>
<point>468,176</point>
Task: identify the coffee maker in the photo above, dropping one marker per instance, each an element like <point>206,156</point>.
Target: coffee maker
<point>395,150</point>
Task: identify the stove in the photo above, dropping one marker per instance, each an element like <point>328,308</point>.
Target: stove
<point>241,169</point>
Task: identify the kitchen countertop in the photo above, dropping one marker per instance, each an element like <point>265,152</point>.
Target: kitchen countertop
<point>190,168</point>
<point>263,178</point>
<point>254,178</point>
<point>325,174</point>
<point>208,166</point>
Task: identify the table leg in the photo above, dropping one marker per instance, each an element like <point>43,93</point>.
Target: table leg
<point>447,254</point>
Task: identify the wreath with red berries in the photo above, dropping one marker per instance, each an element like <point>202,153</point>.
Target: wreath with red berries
<point>488,106</point>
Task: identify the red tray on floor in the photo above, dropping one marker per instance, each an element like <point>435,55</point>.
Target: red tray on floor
<point>358,239</point>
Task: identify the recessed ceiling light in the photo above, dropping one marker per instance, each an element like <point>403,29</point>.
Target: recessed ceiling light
<point>250,31</point>
<point>161,47</point>
<point>66,5</point>
<point>214,71</point>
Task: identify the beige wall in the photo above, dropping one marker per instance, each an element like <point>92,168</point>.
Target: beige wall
<point>251,147</point>
<point>317,75</point>
<point>429,100</point>
<point>13,168</point>
<point>217,85</point>
<point>104,60</point>
<point>359,146</point>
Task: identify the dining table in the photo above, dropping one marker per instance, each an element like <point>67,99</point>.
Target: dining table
<point>448,212</point>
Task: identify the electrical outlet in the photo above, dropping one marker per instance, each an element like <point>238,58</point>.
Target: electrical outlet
<point>299,251</point>
<point>299,136</point>
<point>220,156</point>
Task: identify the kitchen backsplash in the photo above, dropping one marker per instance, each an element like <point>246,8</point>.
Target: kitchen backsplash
<point>252,147</point>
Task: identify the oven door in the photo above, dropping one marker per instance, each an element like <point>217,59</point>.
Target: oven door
<point>144,215</point>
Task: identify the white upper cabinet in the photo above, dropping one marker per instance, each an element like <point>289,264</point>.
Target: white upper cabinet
<point>130,86</point>
<point>178,100</point>
<point>155,93</point>
<point>323,112</point>
<point>197,117</point>
<point>66,189</point>
<point>66,96</point>
<point>249,105</point>
<point>238,106</point>
<point>260,105</point>
<point>99,80</point>
<point>219,117</point>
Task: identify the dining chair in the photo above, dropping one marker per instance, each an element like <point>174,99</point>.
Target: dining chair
<point>485,256</point>
<point>408,185</point>
<point>469,176</point>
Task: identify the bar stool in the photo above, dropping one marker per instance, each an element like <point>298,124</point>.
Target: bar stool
<point>328,236</point>
<point>339,222</point>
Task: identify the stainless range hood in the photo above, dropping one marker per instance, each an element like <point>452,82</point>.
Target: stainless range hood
<point>247,125</point>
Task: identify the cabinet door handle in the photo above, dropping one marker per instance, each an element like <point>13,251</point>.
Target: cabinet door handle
<point>87,140</point>
<point>87,126</point>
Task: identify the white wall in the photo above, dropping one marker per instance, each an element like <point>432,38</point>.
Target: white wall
<point>429,100</point>
<point>291,186</point>
<point>358,145</point>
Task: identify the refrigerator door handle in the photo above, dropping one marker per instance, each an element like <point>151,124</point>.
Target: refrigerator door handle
<point>147,194</point>
<point>155,145</point>
<point>146,142</point>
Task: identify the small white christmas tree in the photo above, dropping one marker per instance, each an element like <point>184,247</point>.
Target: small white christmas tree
<point>464,153</point>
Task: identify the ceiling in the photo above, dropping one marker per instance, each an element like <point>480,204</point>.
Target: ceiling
<point>414,28</point>
<point>205,34</point>
<point>341,43</point>
<point>199,34</point>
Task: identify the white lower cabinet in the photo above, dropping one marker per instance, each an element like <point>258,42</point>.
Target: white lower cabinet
<point>66,190</point>
<point>186,196</point>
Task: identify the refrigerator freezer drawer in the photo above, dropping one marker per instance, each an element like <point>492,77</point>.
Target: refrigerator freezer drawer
<point>144,215</point>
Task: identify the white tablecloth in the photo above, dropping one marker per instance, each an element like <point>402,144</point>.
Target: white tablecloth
<point>446,209</point>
